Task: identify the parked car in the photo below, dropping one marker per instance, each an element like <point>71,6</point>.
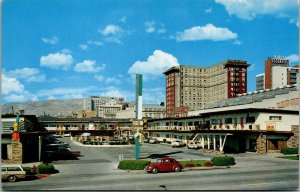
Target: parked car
<point>164,165</point>
<point>178,143</point>
<point>60,152</point>
<point>146,140</point>
<point>194,145</point>
<point>12,172</point>
<point>153,141</point>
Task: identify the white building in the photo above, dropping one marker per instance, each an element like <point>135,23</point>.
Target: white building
<point>240,130</point>
<point>279,76</point>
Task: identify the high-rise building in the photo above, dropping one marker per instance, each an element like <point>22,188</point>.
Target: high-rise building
<point>277,74</point>
<point>260,82</point>
<point>293,75</point>
<point>279,63</point>
<point>192,88</point>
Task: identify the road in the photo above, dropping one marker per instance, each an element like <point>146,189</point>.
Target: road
<point>96,170</point>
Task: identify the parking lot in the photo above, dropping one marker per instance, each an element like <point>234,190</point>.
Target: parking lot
<point>96,170</point>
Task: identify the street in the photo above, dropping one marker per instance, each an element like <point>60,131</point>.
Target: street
<point>96,170</point>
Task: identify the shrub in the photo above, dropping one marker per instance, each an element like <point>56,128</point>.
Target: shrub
<point>190,165</point>
<point>46,168</point>
<point>223,161</point>
<point>196,163</point>
<point>133,164</point>
<point>208,164</point>
<point>287,151</point>
<point>29,171</point>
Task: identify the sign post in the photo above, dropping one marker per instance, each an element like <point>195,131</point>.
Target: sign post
<point>138,113</point>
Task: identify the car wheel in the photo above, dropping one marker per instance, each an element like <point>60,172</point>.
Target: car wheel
<point>177,169</point>
<point>11,178</point>
<point>154,170</point>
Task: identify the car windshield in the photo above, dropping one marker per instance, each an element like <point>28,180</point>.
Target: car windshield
<point>159,161</point>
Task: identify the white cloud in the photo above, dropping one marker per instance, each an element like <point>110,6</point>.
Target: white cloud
<point>29,74</point>
<point>23,72</point>
<point>207,32</point>
<point>83,46</point>
<point>155,65</point>
<point>293,58</point>
<point>56,61</point>
<point>88,66</point>
<point>117,80</point>
<point>66,51</point>
<point>111,30</point>
<point>237,42</point>
<point>208,10</point>
<point>152,26</point>
<point>52,40</point>
<point>64,92</point>
<point>113,33</point>
<point>97,43</point>
<point>154,95</point>
<point>11,85</point>
<point>249,9</point>
<point>37,78</point>
<point>99,78</point>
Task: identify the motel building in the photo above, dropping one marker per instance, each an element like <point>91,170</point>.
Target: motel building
<point>232,131</point>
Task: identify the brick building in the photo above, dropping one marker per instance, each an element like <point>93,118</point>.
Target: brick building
<point>190,88</point>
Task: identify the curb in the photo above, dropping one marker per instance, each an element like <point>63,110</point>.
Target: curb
<point>183,170</point>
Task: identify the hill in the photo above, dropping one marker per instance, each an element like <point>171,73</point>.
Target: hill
<point>50,107</point>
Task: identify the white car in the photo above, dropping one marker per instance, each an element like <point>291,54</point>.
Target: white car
<point>194,145</point>
<point>12,172</point>
<point>178,143</point>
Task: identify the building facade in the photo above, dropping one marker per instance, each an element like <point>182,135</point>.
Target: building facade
<point>106,107</point>
<point>271,62</point>
<point>192,88</point>
<point>232,131</point>
<point>260,82</point>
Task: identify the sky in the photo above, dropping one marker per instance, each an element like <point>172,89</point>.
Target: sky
<point>65,49</point>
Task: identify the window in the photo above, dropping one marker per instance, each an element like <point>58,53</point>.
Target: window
<point>228,120</point>
<point>14,169</point>
<point>250,119</point>
<point>275,118</point>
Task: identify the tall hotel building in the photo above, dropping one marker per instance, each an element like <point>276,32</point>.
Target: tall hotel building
<point>192,88</point>
<point>277,74</point>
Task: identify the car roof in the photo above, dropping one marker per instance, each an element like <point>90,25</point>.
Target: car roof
<point>164,158</point>
<point>11,165</point>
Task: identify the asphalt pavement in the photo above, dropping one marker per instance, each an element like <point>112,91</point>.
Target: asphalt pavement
<point>97,169</point>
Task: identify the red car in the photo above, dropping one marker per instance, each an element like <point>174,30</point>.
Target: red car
<point>163,165</point>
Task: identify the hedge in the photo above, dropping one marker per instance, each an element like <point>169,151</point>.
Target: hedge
<point>287,151</point>
<point>46,168</point>
<point>133,164</point>
<point>193,163</point>
<point>223,161</point>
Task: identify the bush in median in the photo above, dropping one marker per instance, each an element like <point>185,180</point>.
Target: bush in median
<point>46,168</point>
<point>287,151</point>
<point>223,161</point>
<point>133,164</point>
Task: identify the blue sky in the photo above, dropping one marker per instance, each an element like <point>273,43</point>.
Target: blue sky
<point>61,49</point>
